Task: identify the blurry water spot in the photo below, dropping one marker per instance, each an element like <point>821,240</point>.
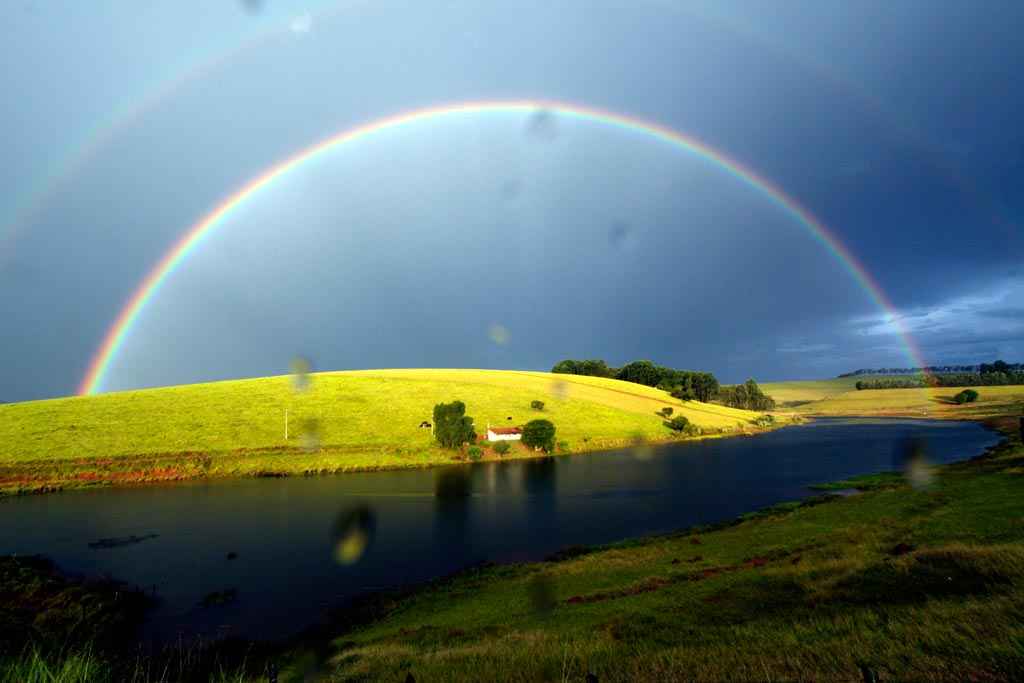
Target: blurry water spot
<point>912,460</point>
<point>310,434</point>
<point>510,189</point>
<point>541,592</point>
<point>560,389</point>
<point>451,483</point>
<point>300,368</point>
<point>302,23</point>
<point>542,125</point>
<point>353,533</point>
<point>498,334</point>
<point>639,448</point>
<point>252,6</point>
<point>620,236</point>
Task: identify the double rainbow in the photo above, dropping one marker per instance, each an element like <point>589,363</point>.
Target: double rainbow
<point>122,327</point>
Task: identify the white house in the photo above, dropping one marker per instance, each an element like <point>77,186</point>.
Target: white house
<point>504,433</point>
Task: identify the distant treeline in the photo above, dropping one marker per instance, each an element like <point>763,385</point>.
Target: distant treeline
<point>983,368</point>
<point>684,384</point>
<point>991,375</point>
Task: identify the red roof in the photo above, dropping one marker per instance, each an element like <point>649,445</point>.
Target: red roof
<point>504,430</point>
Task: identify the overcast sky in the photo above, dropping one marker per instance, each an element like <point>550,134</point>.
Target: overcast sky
<point>899,125</point>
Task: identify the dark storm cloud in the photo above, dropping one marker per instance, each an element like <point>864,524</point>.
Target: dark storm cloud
<point>577,240</point>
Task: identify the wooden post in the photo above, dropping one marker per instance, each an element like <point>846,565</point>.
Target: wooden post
<point>285,424</point>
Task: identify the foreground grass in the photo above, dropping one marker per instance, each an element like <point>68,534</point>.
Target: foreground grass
<point>351,421</point>
<point>914,584</point>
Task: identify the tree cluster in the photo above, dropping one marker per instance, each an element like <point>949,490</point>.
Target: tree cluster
<point>984,368</point>
<point>994,374</point>
<point>966,396</point>
<point>747,396</point>
<point>452,427</point>
<point>683,384</point>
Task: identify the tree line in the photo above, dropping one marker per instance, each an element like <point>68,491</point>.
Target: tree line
<point>683,384</point>
<point>687,385</point>
<point>994,374</point>
<point>983,368</point>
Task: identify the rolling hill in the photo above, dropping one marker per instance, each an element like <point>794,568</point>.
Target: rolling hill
<point>342,421</point>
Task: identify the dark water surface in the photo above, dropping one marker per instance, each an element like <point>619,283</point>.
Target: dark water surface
<point>427,523</point>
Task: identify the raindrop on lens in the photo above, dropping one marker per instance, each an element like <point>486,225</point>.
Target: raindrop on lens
<point>498,334</point>
<point>300,368</point>
<point>353,533</point>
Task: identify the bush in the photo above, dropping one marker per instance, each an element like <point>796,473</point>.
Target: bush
<point>692,430</point>
<point>537,405</point>
<point>502,447</point>
<point>966,396</point>
<point>563,446</point>
<point>665,412</point>
<point>677,423</point>
<point>539,434</point>
<point>474,452</point>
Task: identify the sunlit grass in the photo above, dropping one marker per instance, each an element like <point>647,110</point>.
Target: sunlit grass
<point>365,420</point>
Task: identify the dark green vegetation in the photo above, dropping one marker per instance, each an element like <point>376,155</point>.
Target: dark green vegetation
<point>747,396</point>
<point>677,424</point>
<point>452,427</point>
<point>912,584</point>
<point>994,374</point>
<point>966,396</point>
<point>537,405</point>
<point>686,385</point>
<point>539,434</point>
<point>997,366</point>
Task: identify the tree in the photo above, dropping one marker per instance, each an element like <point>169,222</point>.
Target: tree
<point>502,447</point>
<point>666,411</point>
<point>537,405</point>
<point>643,372</point>
<point>966,396</point>
<point>677,423</point>
<point>747,396</point>
<point>539,434</point>
<point>452,427</point>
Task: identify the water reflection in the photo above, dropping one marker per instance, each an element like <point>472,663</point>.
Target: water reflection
<point>303,545</point>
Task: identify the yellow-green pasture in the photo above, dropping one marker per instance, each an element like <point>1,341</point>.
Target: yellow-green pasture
<point>342,421</point>
<point>934,402</point>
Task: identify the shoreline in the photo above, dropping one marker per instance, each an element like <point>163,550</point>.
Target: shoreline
<point>190,466</point>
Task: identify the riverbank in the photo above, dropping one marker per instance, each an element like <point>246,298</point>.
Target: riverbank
<point>911,583</point>
<point>337,422</point>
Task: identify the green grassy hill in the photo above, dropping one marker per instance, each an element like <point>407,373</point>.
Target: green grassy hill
<point>343,421</point>
<point>839,397</point>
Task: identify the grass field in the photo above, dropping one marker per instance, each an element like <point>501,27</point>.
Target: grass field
<point>834,397</point>
<point>914,584</point>
<point>343,421</point>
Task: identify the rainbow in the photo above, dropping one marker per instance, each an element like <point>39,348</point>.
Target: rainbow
<point>121,329</point>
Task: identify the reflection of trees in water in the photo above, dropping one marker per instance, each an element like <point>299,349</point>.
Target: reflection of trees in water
<point>452,492</point>
<point>540,483</point>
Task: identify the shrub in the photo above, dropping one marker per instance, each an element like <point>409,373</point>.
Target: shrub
<point>537,405</point>
<point>563,446</point>
<point>692,430</point>
<point>539,434</point>
<point>502,447</point>
<point>966,396</point>
<point>474,452</point>
<point>677,423</point>
<point>665,412</point>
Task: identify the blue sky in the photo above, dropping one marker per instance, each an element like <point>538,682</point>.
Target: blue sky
<point>898,126</point>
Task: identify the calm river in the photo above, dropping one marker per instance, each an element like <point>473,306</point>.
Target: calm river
<point>427,523</point>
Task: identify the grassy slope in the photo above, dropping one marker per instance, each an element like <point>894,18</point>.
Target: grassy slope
<point>831,397</point>
<point>808,591</point>
<point>366,420</point>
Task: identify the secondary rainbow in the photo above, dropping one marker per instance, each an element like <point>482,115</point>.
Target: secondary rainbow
<point>121,329</point>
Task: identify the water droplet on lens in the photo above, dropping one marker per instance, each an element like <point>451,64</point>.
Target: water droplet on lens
<point>300,368</point>
<point>541,592</point>
<point>310,434</point>
<point>542,125</point>
<point>639,448</point>
<point>353,532</point>
<point>498,334</point>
